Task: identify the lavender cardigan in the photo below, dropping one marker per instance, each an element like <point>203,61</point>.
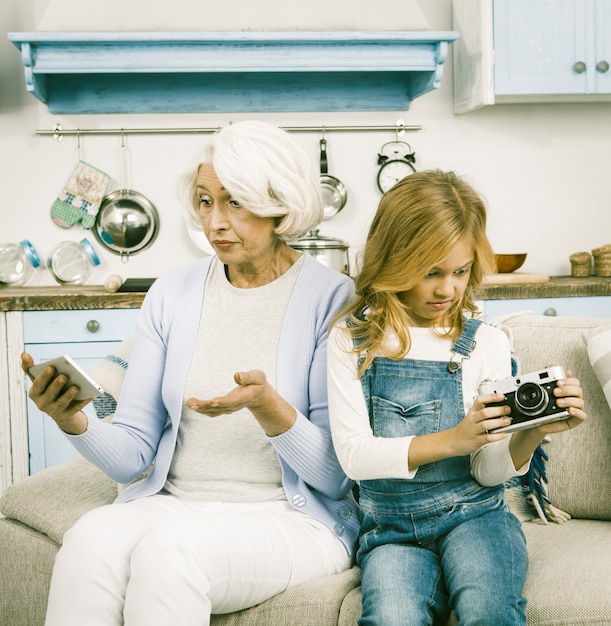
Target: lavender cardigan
<point>145,425</point>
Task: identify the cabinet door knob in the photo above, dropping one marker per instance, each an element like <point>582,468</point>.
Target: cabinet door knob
<point>93,326</point>
<point>551,312</point>
<point>602,67</point>
<point>579,67</point>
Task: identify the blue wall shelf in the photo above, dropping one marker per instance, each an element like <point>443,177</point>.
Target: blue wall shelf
<point>155,72</point>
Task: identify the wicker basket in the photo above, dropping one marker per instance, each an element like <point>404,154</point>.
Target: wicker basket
<point>581,264</point>
<point>602,260</point>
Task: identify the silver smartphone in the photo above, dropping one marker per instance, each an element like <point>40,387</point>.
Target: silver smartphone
<point>88,388</point>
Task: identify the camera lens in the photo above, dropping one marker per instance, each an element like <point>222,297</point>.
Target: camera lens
<point>531,398</point>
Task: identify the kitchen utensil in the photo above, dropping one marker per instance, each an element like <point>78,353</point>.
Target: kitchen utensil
<point>17,262</point>
<point>72,262</point>
<point>515,278</point>
<point>334,194</point>
<point>506,263</point>
<point>127,221</point>
<point>330,252</point>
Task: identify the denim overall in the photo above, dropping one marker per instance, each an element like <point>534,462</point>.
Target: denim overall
<point>439,541</point>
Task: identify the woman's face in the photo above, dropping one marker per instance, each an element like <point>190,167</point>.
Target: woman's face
<point>442,286</point>
<point>238,236</point>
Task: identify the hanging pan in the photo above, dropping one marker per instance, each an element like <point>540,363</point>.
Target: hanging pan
<point>127,221</point>
<point>334,194</point>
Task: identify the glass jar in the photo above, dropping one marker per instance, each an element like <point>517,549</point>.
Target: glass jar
<point>17,263</point>
<point>72,262</point>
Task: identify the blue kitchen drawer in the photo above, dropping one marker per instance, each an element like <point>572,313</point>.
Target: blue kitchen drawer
<point>78,326</point>
<point>594,306</point>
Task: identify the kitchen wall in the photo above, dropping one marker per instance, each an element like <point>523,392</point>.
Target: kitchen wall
<point>543,169</point>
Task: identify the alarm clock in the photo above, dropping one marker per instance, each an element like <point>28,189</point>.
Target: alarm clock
<point>396,165</point>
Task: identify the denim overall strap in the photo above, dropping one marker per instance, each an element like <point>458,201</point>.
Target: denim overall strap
<point>466,343</point>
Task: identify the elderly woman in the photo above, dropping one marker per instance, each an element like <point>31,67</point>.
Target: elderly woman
<point>225,396</point>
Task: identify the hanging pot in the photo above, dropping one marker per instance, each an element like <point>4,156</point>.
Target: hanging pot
<point>330,252</point>
<point>334,194</point>
<point>127,221</point>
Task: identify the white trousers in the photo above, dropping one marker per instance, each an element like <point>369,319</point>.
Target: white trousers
<point>161,561</point>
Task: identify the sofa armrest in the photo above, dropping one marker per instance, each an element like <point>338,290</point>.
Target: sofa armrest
<point>51,501</point>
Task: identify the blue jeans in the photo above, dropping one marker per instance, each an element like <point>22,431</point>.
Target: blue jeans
<point>482,561</point>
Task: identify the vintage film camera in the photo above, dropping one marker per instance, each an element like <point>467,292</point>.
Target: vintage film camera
<point>530,398</point>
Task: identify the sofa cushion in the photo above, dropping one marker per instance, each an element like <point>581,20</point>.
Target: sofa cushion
<point>577,457</point>
<point>598,343</point>
<point>310,604</point>
<point>569,566</point>
<point>51,501</point>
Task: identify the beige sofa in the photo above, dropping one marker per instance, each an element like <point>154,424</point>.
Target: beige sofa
<point>570,563</point>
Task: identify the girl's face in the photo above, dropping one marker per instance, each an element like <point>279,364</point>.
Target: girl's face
<point>238,236</point>
<point>442,286</point>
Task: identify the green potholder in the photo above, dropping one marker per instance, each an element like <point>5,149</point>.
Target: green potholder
<point>81,198</point>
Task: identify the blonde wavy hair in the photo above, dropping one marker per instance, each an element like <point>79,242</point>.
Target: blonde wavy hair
<point>417,223</point>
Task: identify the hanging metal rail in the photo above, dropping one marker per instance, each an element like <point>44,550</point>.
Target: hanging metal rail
<point>58,132</point>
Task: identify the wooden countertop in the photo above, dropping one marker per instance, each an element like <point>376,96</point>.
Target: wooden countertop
<point>67,298</point>
<point>555,287</point>
<point>96,297</point>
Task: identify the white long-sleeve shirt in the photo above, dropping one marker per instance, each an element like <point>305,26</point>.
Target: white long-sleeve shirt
<point>364,456</point>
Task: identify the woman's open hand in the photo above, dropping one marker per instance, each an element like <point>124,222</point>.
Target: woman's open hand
<point>253,392</point>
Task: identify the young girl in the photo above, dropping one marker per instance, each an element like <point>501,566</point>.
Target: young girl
<point>407,423</point>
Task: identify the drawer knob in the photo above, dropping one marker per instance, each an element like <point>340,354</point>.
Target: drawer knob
<point>602,67</point>
<point>551,312</point>
<point>579,67</point>
<point>93,326</point>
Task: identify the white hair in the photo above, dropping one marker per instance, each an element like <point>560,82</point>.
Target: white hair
<point>267,172</point>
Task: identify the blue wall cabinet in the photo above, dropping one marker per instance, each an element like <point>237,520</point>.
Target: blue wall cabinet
<point>87,336</point>
<point>531,51</point>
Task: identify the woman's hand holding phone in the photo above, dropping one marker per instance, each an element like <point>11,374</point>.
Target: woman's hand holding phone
<point>61,389</point>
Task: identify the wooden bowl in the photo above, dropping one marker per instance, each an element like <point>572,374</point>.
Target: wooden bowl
<point>506,263</point>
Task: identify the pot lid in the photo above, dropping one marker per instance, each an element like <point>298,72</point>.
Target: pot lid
<point>315,241</point>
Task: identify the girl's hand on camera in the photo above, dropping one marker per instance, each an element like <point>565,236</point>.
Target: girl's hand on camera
<point>474,429</point>
<point>570,397</point>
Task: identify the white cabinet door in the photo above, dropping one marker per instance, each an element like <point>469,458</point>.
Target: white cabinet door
<point>537,46</point>
<point>602,53</point>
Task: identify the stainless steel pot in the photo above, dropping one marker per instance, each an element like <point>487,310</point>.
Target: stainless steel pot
<point>330,252</point>
<point>126,223</point>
